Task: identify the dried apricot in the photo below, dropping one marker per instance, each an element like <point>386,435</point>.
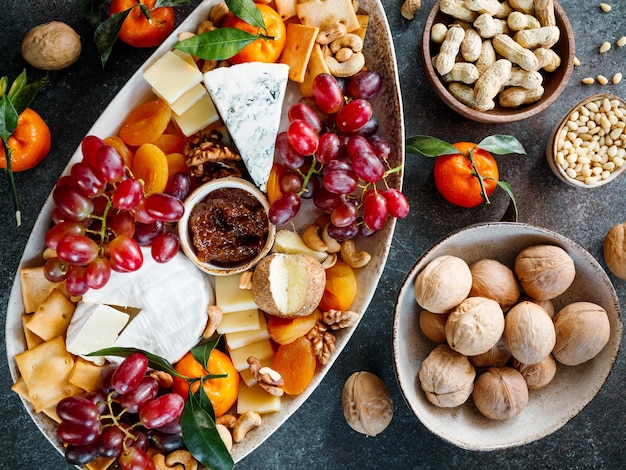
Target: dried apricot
<point>170,143</point>
<point>287,330</point>
<point>145,123</point>
<point>296,364</point>
<point>273,182</point>
<point>340,287</point>
<point>150,165</point>
<point>119,145</point>
<point>176,163</point>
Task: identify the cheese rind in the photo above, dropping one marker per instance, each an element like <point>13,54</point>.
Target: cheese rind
<point>249,98</point>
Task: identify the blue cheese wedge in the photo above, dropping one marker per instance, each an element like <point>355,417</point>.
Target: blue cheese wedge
<point>172,297</point>
<point>249,98</point>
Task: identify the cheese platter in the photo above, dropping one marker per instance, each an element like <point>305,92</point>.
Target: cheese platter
<point>380,56</point>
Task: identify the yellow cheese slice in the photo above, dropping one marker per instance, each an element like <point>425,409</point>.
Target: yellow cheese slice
<point>261,350</point>
<point>233,322</point>
<point>199,115</point>
<point>230,298</point>
<point>246,375</point>
<point>256,399</point>
<point>239,339</point>
<point>171,76</point>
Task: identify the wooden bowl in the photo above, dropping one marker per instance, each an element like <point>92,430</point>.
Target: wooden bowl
<point>554,83</point>
<point>553,147</point>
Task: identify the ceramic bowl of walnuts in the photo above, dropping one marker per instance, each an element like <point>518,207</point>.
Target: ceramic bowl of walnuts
<point>502,333</point>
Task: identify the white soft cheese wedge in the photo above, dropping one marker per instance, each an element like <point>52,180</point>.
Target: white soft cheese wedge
<point>256,399</point>
<point>171,76</point>
<point>94,326</point>
<point>173,298</point>
<point>230,297</point>
<point>249,98</point>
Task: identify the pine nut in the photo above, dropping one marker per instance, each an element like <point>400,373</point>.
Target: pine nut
<point>576,61</point>
<point>602,80</point>
<point>621,42</point>
<point>617,78</point>
<point>605,47</point>
<point>605,7</point>
<point>588,80</point>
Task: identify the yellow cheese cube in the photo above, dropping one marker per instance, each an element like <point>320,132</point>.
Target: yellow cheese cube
<point>242,338</point>
<point>245,320</point>
<point>229,297</point>
<point>246,375</point>
<point>171,76</point>
<point>261,350</point>
<point>256,399</point>
<point>201,114</point>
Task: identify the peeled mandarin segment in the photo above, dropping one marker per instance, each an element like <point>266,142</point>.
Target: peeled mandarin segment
<point>150,165</point>
<point>145,123</point>
<point>296,364</point>
<point>287,330</point>
<point>170,143</point>
<point>340,287</point>
<point>119,145</point>
<point>176,163</point>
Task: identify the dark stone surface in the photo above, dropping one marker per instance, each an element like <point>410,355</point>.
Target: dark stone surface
<point>317,436</point>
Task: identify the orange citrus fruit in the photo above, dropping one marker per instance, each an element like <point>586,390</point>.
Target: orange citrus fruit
<point>221,391</point>
<point>457,180</point>
<point>30,142</point>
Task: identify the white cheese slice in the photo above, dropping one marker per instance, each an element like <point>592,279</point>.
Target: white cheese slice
<point>171,76</point>
<point>246,320</point>
<point>249,98</point>
<point>230,297</point>
<point>94,326</point>
<point>198,116</point>
<point>173,298</point>
<point>256,399</point>
<point>239,339</point>
<point>261,350</point>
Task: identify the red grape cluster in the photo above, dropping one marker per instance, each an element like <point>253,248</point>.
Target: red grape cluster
<point>122,420</point>
<point>102,216</point>
<point>338,160</point>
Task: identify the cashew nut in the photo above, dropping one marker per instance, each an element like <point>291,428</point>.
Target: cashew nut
<point>226,420</point>
<point>352,257</point>
<point>330,261</point>
<point>333,245</point>
<point>330,33</point>
<point>245,280</point>
<point>348,68</point>
<point>351,41</point>
<point>180,459</point>
<point>225,435</point>
<point>218,13</point>
<point>215,315</point>
<point>311,236</point>
<point>206,26</point>
<point>245,423</point>
<point>343,54</point>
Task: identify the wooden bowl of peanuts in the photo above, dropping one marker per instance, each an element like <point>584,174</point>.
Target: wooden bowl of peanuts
<point>588,147</point>
<point>496,62</point>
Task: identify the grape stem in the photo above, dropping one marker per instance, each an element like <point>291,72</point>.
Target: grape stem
<point>116,418</point>
<point>307,178</point>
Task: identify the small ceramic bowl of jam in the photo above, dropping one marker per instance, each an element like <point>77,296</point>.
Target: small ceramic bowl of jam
<point>225,229</point>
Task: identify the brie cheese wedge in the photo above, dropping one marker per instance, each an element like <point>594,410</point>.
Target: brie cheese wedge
<point>172,297</point>
<point>249,98</point>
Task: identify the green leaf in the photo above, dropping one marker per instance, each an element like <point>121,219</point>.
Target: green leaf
<point>8,120</point>
<point>92,10</point>
<point>170,3</point>
<point>429,146</point>
<point>145,11</point>
<point>154,361</point>
<point>247,11</point>
<point>501,144</point>
<point>511,214</point>
<point>202,352</point>
<point>219,44</point>
<point>4,86</point>
<point>200,433</point>
<point>27,93</point>
<point>106,34</point>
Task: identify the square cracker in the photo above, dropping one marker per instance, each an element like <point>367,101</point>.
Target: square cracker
<point>86,375</point>
<point>300,42</point>
<point>35,287</point>
<point>322,13</point>
<point>316,65</point>
<point>46,369</point>
<point>286,8</point>
<point>32,339</point>
<point>52,317</point>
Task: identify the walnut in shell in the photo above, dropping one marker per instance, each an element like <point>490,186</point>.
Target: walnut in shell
<point>475,326</point>
<point>51,46</point>
<point>536,375</point>
<point>544,271</point>
<point>367,403</point>
<point>446,377</point>
<point>500,393</point>
<point>529,332</point>
<point>443,284</point>
<point>494,280</point>
<point>582,330</point>
<point>615,250</point>
<point>497,356</point>
<point>433,325</point>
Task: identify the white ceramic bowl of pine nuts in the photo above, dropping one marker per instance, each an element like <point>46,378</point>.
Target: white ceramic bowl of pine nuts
<point>588,147</point>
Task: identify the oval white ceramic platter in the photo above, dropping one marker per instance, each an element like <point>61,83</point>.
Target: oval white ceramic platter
<point>548,408</point>
<point>387,105</point>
